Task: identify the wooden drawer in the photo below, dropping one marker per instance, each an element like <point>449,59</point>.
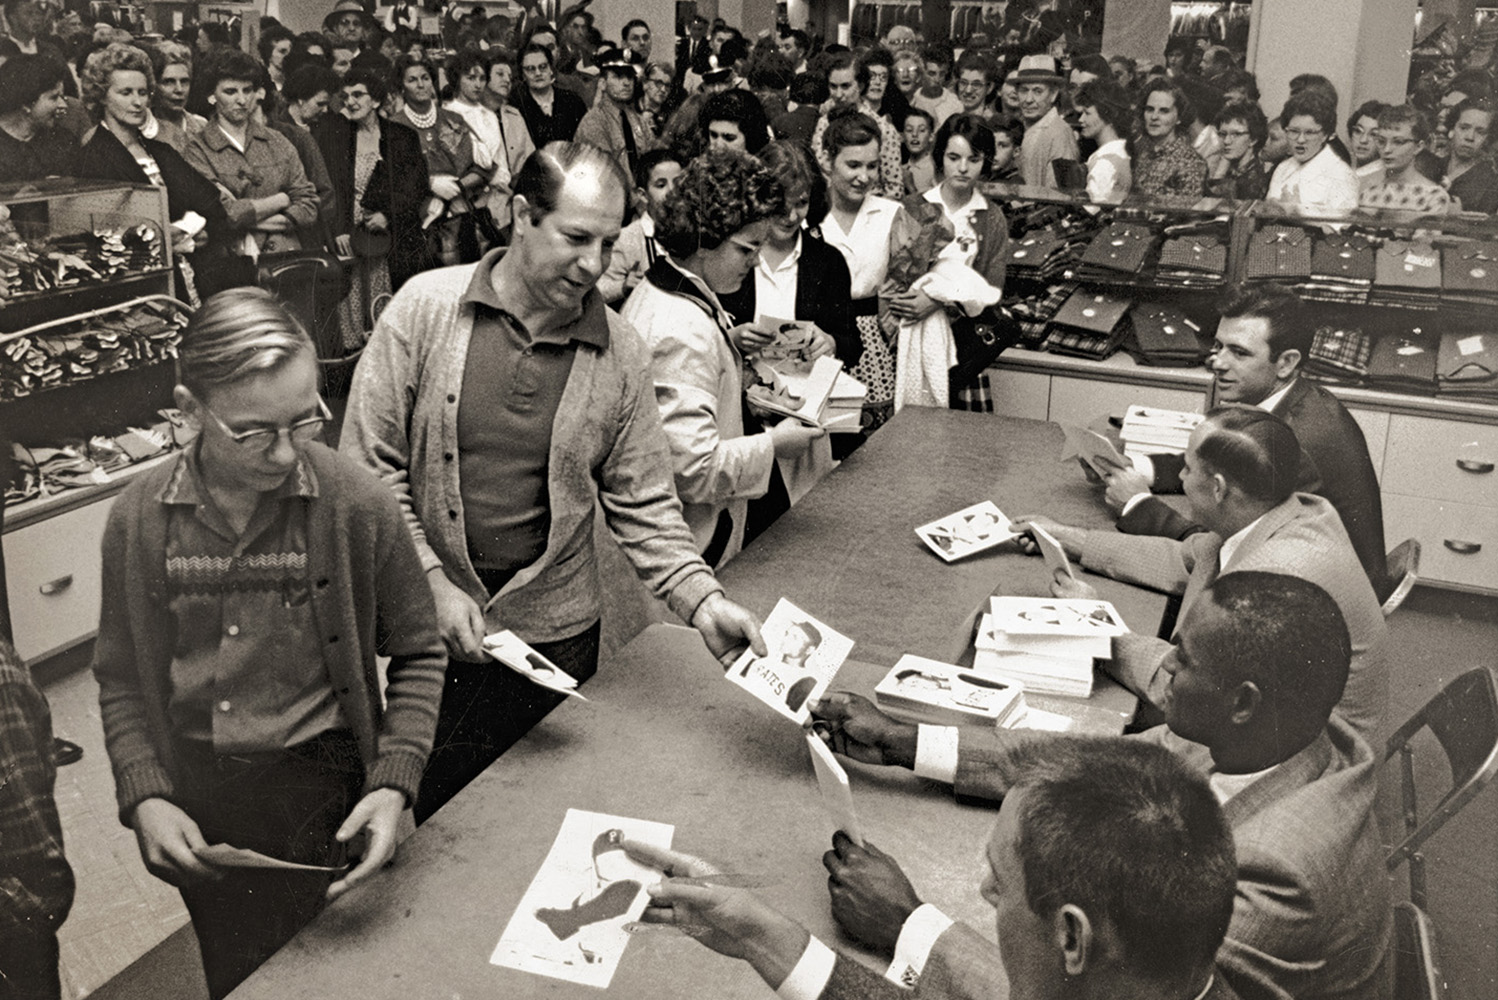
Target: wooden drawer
<point>1375,425</point>
<point>52,573</point>
<point>1422,458</point>
<point>1020,394</point>
<point>1081,401</point>
<point>1458,542</point>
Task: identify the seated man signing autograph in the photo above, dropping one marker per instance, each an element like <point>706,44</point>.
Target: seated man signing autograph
<point>1136,914</point>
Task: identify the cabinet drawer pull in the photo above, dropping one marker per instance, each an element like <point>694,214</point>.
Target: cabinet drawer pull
<point>1474,466</point>
<point>55,587</point>
<point>1463,548</point>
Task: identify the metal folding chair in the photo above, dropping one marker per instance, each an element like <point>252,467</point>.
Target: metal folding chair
<point>1463,717</point>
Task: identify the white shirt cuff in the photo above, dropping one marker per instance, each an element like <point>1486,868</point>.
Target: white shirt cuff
<point>809,978</point>
<point>1144,465</point>
<point>917,938</point>
<point>936,753</point>
<point>1131,503</point>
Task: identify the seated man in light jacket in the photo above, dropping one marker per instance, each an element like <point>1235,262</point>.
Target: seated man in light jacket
<point>1261,662</point>
<point>1139,913</point>
<point>1241,467</point>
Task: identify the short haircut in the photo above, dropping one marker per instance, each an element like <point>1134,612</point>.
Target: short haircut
<point>1289,329</point>
<point>631,25</point>
<point>533,47</point>
<point>716,196</point>
<point>792,165</point>
<point>1482,105</point>
<point>228,64</point>
<point>1395,115</point>
<point>544,172</point>
<point>873,57</point>
<point>1010,126</point>
<point>801,38</point>
<point>1252,117</point>
<point>463,60</point>
<point>1472,82</point>
<point>1092,63</point>
<point>963,126</point>
<point>1242,80</point>
<point>1368,109</point>
<point>733,50</point>
<point>744,110</point>
<point>938,52</point>
<point>1254,450</point>
<point>1312,104</point>
<point>848,127</point>
<point>975,59</point>
<point>1315,83</point>
<point>309,81</point>
<point>374,81</point>
<point>371,60</point>
<point>103,63</point>
<point>1185,111</point>
<point>403,64</point>
<point>235,334</point>
<point>809,88</point>
<point>270,37</point>
<point>1165,874</point>
<point>923,114</point>
<point>24,78</point>
<point>1288,637</point>
<point>653,158</point>
<point>1108,99</point>
<point>834,61</point>
<point>770,71</point>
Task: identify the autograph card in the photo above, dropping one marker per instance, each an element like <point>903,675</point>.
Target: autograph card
<point>804,655</point>
<point>1052,552</point>
<point>972,529</point>
<point>515,653</point>
<point>570,923</point>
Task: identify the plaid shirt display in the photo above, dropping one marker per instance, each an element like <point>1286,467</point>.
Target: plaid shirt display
<point>1278,253</point>
<point>1340,352</point>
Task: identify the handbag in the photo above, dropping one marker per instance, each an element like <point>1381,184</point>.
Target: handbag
<point>979,341</point>
<point>367,243</point>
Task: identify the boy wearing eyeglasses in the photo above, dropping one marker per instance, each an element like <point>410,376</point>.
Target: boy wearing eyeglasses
<point>248,585</point>
<point>1402,135</point>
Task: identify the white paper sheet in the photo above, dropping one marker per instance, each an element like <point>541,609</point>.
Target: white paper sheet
<point>837,796</point>
<point>570,922</point>
<point>969,530</point>
<point>804,655</point>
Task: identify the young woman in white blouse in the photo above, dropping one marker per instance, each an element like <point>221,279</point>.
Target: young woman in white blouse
<point>857,224</point>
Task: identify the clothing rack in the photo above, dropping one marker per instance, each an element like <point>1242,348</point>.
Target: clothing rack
<point>1211,19</point>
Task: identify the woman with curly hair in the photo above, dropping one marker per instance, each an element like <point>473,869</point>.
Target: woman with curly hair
<point>857,225</point>
<point>1161,153</point>
<point>939,242</point>
<point>712,227</point>
<point>117,87</point>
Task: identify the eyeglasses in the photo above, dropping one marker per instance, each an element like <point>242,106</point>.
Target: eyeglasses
<point>1393,141</point>
<point>355,95</point>
<point>266,438</point>
<point>1304,133</point>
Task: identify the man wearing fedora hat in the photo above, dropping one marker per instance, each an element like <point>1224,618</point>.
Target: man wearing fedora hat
<point>1047,136</point>
<point>347,25</point>
<point>615,124</point>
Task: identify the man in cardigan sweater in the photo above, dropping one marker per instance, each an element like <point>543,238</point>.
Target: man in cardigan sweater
<point>1136,915</point>
<point>248,585</point>
<point>501,402</point>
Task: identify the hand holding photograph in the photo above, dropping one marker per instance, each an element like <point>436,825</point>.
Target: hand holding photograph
<point>804,656</point>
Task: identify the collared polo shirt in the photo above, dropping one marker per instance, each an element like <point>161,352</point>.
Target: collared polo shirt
<point>247,672</point>
<point>512,384</point>
<point>775,287</point>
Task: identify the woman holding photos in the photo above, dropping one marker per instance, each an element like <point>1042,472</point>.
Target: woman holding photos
<point>712,227</point>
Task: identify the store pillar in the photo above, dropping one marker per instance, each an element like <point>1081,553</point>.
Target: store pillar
<point>1136,29</point>
<point>1362,46</point>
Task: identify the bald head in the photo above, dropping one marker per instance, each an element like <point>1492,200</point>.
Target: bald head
<point>586,172</point>
<point>1255,451</point>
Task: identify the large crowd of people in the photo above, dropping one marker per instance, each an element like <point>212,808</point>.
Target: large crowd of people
<point>565,257</point>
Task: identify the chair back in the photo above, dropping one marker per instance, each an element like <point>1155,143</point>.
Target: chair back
<point>1463,717</point>
<point>1417,975</point>
<point>311,285</point>
<point>1404,571</point>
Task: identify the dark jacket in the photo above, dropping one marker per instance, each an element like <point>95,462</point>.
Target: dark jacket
<point>822,297</point>
<point>105,157</point>
<point>567,110</point>
<point>397,188</point>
